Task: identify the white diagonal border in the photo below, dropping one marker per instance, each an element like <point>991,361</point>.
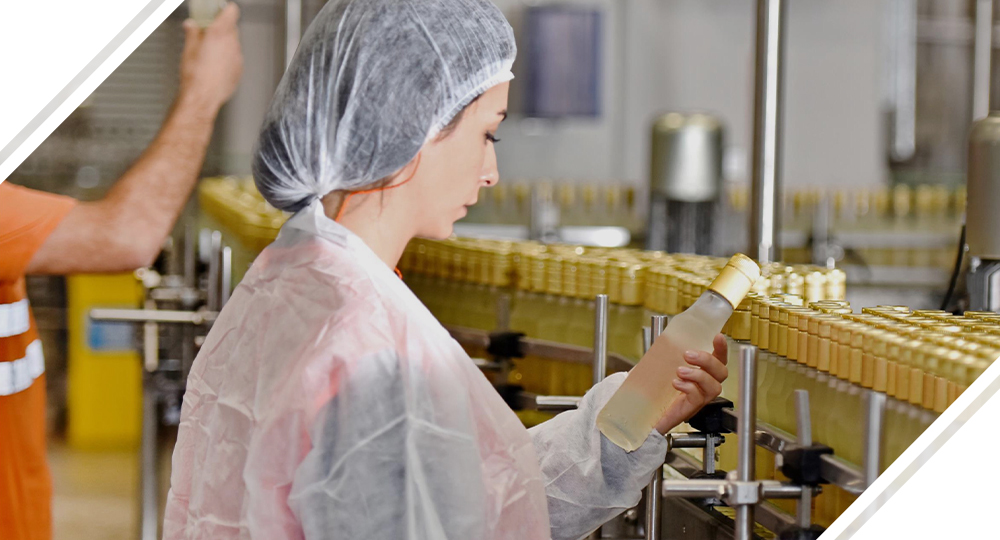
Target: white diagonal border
<point>83,84</point>
<point>929,442</point>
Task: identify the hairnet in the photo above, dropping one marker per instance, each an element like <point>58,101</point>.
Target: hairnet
<point>371,82</point>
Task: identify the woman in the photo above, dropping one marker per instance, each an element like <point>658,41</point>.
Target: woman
<point>327,402</point>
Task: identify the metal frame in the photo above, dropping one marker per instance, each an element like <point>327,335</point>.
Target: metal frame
<point>154,389</point>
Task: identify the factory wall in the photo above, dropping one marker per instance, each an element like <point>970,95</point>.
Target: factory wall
<point>698,55</point>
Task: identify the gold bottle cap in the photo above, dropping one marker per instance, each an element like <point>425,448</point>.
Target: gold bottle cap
<point>538,263</point>
<point>784,314</point>
<point>739,325</point>
<point>632,284</point>
<point>981,314</point>
<point>824,358</point>
<point>988,353</point>
<point>795,284</point>
<point>615,271</point>
<point>974,371</point>
<point>930,312</point>
<point>764,325</point>
<point>576,276</point>
<point>815,286</point>
<point>736,279</point>
<point>554,275</point>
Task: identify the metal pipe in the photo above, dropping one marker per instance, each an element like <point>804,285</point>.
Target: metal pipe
<point>190,260</point>
<point>555,403</point>
<point>600,363</point>
<point>214,263</point>
<point>293,28</point>
<point>503,312</point>
<point>802,418</point>
<point>658,324</point>
<point>803,511</point>
<point>903,79</point>
<point>746,425</point>
<point>149,506</point>
<point>982,49</point>
<point>767,117</point>
<point>600,337</point>
<point>227,276</point>
<point>772,489</point>
<point>153,316</point>
<point>150,339</point>
<point>693,489</point>
<point>708,454</point>
<point>871,460</point>
<point>691,440</point>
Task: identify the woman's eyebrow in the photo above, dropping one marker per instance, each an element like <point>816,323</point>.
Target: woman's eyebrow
<point>503,113</point>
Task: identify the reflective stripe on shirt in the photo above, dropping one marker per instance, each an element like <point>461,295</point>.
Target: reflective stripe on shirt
<point>18,375</point>
<point>14,319</point>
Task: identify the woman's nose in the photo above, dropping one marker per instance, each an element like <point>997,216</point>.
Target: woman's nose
<point>491,174</point>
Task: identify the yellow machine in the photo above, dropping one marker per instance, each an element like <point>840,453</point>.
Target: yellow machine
<point>104,369</point>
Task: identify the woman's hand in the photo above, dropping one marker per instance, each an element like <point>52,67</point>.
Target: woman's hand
<point>699,383</point>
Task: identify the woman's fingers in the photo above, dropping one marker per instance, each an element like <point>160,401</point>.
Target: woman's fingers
<point>721,349</point>
<point>708,363</point>
<point>709,386</point>
<point>692,393</point>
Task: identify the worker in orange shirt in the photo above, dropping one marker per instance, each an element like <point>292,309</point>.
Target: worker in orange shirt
<point>42,233</point>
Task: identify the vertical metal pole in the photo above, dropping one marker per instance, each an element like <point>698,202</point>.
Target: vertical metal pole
<point>655,491</point>
<point>982,47</point>
<point>293,28</point>
<point>503,312</point>
<point>746,428</point>
<point>871,460</point>
<point>765,222</point>
<point>803,438</point>
<point>150,342</point>
<point>227,276</point>
<point>214,291</point>
<point>600,351</point>
<point>903,77</point>
<point>148,479</point>
<point>190,257</point>
<point>600,337</point>
<point>708,454</point>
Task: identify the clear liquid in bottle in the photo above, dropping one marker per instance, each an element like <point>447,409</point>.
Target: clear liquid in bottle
<point>633,411</point>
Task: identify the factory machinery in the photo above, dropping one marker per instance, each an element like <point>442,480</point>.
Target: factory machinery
<point>546,321</point>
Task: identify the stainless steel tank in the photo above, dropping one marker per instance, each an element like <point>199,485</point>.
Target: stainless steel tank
<point>983,207</point>
<point>685,181</point>
<point>983,214</point>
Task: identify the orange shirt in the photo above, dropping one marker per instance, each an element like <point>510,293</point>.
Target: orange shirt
<point>27,218</point>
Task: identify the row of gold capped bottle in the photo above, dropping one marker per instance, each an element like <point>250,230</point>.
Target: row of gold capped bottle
<point>926,358</point>
<point>923,360</point>
<point>662,283</point>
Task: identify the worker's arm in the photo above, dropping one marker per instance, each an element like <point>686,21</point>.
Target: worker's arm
<point>126,229</point>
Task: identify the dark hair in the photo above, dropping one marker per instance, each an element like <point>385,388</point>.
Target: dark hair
<point>449,128</point>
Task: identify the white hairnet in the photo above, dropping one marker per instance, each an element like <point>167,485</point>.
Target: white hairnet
<point>371,82</point>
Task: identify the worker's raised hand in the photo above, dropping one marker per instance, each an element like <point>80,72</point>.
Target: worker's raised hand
<point>698,383</point>
<point>212,61</point>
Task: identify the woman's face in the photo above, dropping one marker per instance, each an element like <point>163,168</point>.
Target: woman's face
<point>452,168</point>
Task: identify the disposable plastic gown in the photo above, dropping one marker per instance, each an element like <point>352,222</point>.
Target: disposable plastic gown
<point>370,83</point>
<point>328,403</point>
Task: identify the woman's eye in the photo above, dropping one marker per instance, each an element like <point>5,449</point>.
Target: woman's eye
<point>492,138</point>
